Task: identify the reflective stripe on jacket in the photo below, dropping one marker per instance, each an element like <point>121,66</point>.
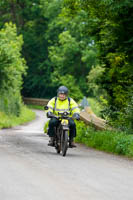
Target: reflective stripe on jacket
<point>61,106</point>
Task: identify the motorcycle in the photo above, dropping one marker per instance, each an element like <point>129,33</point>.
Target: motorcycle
<point>61,139</point>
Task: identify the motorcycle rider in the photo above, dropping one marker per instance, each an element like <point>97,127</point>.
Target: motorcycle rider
<point>62,103</point>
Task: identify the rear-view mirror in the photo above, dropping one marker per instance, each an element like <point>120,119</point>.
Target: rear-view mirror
<point>45,107</point>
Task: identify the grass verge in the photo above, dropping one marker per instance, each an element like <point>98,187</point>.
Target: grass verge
<point>35,107</point>
<point>7,121</point>
<point>109,141</point>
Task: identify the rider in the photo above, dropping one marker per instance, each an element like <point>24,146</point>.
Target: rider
<point>59,104</point>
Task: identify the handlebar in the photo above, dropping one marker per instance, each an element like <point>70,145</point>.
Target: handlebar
<point>63,115</point>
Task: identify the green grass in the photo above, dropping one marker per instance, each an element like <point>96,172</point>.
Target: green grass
<point>7,121</point>
<point>109,141</point>
<point>35,107</point>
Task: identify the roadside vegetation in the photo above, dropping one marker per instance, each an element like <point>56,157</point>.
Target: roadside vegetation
<point>35,107</point>
<point>12,68</point>
<point>8,121</point>
<point>116,142</point>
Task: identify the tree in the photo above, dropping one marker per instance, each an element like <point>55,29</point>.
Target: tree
<point>106,22</point>
<point>12,67</point>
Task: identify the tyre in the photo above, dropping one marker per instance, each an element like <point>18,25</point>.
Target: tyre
<point>64,142</point>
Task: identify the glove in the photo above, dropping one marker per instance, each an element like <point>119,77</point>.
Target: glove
<point>49,114</point>
<point>76,116</point>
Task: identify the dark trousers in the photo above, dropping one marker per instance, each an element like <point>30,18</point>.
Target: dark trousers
<point>54,123</point>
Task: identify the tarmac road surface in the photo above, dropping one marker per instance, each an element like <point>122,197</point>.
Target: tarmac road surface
<point>31,170</point>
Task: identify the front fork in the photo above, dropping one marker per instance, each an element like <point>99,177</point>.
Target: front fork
<point>58,134</point>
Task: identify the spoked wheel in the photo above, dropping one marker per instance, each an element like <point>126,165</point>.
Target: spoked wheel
<point>64,142</point>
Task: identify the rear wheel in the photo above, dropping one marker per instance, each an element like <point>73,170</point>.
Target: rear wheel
<point>64,142</point>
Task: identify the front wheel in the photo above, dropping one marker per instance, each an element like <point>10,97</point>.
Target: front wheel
<point>64,142</point>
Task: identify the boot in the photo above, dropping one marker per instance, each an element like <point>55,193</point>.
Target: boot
<point>51,142</point>
<point>72,144</point>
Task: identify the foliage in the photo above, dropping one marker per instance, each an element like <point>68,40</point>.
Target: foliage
<point>30,21</point>
<point>44,31</point>
<point>38,107</point>
<point>11,103</point>
<point>95,106</point>
<point>70,82</point>
<point>115,46</point>
<point>129,115</point>
<point>94,78</point>
<point>7,121</point>
<point>37,49</point>
<point>109,141</point>
<point>12,67</point>
<point>72,55</point>
<point>122,120</point>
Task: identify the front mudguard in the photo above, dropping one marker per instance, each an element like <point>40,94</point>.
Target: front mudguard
<point>65,128</point>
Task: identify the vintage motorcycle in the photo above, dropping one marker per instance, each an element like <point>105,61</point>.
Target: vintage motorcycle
<point>61,139</point>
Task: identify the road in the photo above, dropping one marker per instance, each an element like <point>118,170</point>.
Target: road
<point>31,170</point>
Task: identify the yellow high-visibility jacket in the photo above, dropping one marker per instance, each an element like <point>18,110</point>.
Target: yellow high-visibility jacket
<point>56,106</point>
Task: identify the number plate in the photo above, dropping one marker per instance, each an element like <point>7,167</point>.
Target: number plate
<point>64,122</point>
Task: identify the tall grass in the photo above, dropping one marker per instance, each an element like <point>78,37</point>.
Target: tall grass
<point>110,141</point>
<point>35,107</point>
<point>10,120</point>
<point>10,103</point>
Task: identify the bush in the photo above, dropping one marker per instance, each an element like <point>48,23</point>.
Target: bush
<point>120,119</point>
<point>129,116</point>
<point>12,67</point>
<point>10,103</point>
